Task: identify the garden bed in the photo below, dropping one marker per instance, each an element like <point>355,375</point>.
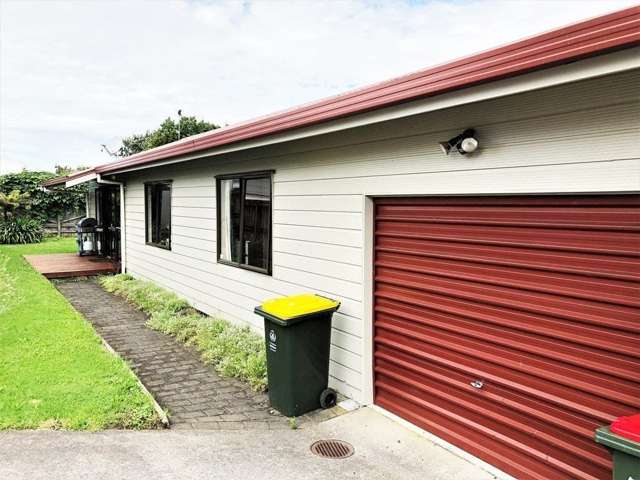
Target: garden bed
<point>232,350</point>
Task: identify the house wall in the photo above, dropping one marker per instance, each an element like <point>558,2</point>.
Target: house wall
<point>579,137</point>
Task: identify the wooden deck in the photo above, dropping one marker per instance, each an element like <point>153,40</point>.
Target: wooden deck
<point>61,265</point>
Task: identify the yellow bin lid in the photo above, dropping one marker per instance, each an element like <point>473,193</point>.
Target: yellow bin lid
<point>297,305</point>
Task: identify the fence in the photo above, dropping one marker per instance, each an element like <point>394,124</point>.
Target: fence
<point>62,226</point>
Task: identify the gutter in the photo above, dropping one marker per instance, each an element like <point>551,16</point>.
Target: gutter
<point>123,230</point>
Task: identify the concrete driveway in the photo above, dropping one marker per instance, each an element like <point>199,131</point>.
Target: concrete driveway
<point>383,450</point>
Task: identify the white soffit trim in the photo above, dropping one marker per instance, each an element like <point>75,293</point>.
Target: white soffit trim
<point>78,180</point>
<point>605,64</point>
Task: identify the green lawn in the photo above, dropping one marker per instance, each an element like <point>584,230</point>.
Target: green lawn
<point>54,372</point>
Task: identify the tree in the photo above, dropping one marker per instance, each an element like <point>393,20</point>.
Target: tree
<point>133,144</point>
<point>168,131</point>
<point>64,170</point>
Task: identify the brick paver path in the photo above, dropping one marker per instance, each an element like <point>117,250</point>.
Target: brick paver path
<point>195,395</point>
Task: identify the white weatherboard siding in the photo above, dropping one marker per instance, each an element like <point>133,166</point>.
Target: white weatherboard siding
<point>579,137</point>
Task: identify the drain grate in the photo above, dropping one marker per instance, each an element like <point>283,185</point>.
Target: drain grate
<point>332,449</point>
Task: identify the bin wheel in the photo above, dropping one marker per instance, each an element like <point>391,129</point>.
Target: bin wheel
<point>328,398</point>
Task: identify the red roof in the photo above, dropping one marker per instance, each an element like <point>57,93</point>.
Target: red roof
<point>592,37</point>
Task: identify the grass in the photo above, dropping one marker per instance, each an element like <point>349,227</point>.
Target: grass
<point>293,423</point>
<point>233,351</point>
<point>54,372</point>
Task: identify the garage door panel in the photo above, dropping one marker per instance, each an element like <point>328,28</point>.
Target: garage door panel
<point>555,371</point>
<point>594,265</point>
<point>522,444</point>
<point>577,423</point>
<point>482,413</point>
<point>531,203</point>
<point>597,313</point>
<point>484,404</point>
<point>477,444</point>
<point>537,297</point>
<point>589,240</point>
<point>564,396</point>
<point>596,359</point>
<point>560,217</point>
<point>578,286</point>
<point>583,334</point>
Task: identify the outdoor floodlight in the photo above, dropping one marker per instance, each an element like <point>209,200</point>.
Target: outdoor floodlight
<point>463,143</point>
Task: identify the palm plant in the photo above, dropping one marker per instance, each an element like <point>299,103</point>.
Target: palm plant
<point>14,203</point>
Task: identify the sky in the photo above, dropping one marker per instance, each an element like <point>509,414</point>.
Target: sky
<point>78,74</point>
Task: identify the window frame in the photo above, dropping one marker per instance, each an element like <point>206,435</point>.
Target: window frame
<point>169,183</point>
<point>243,177</point>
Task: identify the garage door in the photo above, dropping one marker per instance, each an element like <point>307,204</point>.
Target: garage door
<point>510,326</point>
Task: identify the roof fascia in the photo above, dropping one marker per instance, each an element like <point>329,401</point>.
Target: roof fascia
<point>79,180</point>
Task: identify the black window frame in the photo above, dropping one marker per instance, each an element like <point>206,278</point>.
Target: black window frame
<point>243,177</point>
<point>168,183</point>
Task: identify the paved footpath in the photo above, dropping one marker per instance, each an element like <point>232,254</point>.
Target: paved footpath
<point>194,394</point>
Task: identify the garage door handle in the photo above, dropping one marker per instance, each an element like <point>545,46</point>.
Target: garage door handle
<point>477,384</point>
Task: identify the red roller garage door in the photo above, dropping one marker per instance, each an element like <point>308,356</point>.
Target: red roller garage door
<point>510,326</point>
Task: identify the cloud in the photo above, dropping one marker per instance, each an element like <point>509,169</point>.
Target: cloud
<point>74,75</point>
<point>8,166</point>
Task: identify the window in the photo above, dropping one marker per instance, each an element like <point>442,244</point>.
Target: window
<point>244,220</point>
<point>158,213</point>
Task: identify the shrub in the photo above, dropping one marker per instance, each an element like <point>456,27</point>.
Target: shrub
<point>115,283</point>
<point>44,204</point>
<point>232,350</point>
<point>144,295</point>
<point>184,327</point>
<point>21,230</point>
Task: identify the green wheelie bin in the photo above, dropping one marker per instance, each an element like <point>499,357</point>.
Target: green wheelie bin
<point>297,337</point>
<point>622,438</point>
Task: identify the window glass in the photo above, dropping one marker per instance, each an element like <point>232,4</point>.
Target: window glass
<point>164,215</point>
<point>158,214</point>
<point>257,222</point>
<point>229,219</point>
<point>149,212</point>
<point>244,221</point>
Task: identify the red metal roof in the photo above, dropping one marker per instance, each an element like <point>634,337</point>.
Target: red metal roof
<point>592,37</point>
